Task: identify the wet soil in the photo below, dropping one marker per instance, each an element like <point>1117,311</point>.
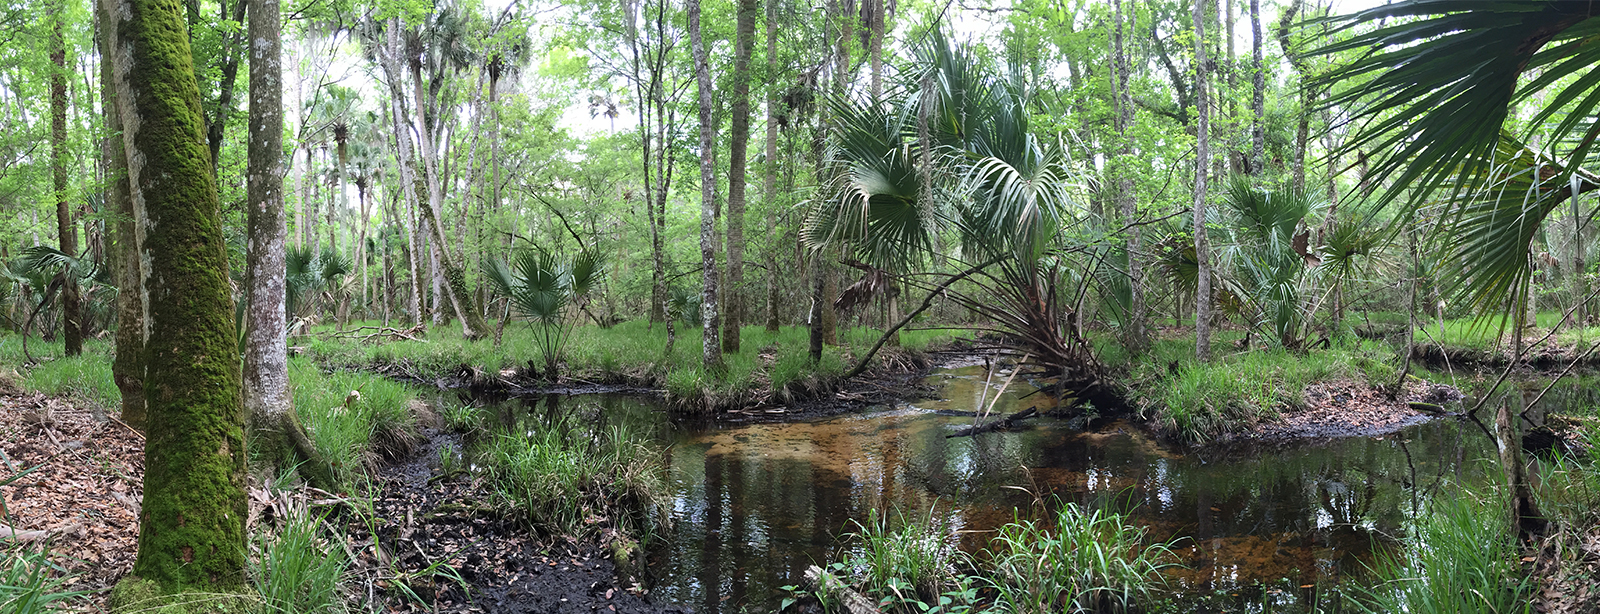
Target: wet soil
<point>424,521</point>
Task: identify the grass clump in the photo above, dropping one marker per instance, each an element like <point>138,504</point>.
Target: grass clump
<point>568,480</point>
<point>1460,558</point>
<point>1078,561</point>
<point>1090,561</point>
<point>351,430</point>
<point>298,571</point>
<point>31,584</point>
<point>86,377</point>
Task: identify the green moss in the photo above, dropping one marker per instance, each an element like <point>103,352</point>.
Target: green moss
<point>135,595</point>
<point>191,536</point>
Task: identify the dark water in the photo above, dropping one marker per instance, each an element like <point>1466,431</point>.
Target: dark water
<point>1260,529</point>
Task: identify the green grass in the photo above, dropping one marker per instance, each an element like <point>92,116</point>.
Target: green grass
<point>565,479</point>
<point>1198,402</point>
<point>633,353</point>
<point>1460,558</point>
<point>299,570</point>
<point>30,583</point>
<point>85,378</point>
<point>1089,561</point>
<point>908,565</point>
<point>350,434</point>
<point>1487,336</point>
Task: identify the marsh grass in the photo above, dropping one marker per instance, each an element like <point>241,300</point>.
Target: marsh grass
<point>31,584</point>
<point>1487,336</point>
<point>1459,558</point>
<point>1088,561</point>
<point>566,479</point>
<point>352,431</point>
<point>300,569</point>
<point>1196,402</point>
<point>908,564</point>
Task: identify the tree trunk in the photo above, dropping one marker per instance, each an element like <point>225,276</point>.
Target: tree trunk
<point>455,281</point>
<point>1202,306</point>
<point>268,403</point>
<point>191,524</point>
<point>216,126</point>
<point>739,140</point>
<point>769,188</point>
<point>127,368</point>
<point>1525,516</point>
<point>1580,283</point>
<point>1258,135</point>
<point>712,356</point>
<point>66,229</point>
<point>1136,338</point>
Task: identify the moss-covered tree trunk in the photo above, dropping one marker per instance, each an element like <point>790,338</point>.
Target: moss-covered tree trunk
<point>127,369</point>
<point>66,229</point>
<point>191,524</point>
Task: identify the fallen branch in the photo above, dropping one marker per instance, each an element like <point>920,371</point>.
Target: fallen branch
<point>381,331</point>
<point>10,533</point>
<point>861,366</point>
<point>824,584</point>
<point>996,425</point>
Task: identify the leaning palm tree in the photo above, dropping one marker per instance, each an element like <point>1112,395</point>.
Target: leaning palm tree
<point>956,160</point>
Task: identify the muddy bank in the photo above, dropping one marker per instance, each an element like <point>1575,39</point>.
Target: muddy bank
<point>1445,358</point>
<point>425,521</point>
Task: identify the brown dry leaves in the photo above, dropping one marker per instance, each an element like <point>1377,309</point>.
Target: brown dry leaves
<point>85,494</point>
<point>1348,408</point>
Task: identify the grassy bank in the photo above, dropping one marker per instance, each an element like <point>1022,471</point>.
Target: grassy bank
<point>773,367</point>
<point>1466,342</point>
<point>1195,402</point>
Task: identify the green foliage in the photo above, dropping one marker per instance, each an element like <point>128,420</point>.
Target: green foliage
<point>31,584</point>
<point>909,565</point>
<point>1460,557</point>
<point>542,288</point>
<point>562,478</point>
<point>299,570</point>
<point>1092,561</point>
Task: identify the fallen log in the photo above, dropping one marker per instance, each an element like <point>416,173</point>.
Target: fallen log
<point>825,584</point>
<point>996,425</point>
<point>9,533</point>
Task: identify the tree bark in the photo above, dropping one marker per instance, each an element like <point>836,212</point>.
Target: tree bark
<point>127,368</point>
<point>1202,305</point>
<point>712,354</point>
<point>1258,93</point>
<point>66,228</point>
<point>1136,338</point>
<point>216,126</point>
<point>191,524</point>
<point>455,281</point>
<point>739,141</point>
<point>769,188</point>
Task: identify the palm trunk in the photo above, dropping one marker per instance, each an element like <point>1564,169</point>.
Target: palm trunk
<point>712,354</point>
<point>192,523</point>
<point>1136,338</point>
<point>455,281</point>
<point>1202,306</point>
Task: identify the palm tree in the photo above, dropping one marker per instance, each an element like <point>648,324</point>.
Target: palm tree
<point>542,287</point>
<point>1435,86</point>
<point>958,156</point>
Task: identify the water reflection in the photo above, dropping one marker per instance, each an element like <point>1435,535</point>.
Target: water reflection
<point>754,505</point>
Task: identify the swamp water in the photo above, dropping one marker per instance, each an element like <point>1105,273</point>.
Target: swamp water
<point>1260,528</point>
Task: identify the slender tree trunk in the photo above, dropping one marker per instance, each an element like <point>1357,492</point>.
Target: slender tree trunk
<point>127,368</point>
<point>1580,281</point>
<point>1258,94</point>
<point>1202,250</point>
<point>268,404</point>
<point>1136,337</point>
<point>407,165</point>
<point>454,279</point>
<point>191,523</point>
<point>769,188</point>
<point>739,140</point>
<point>66,226</point>
<point>216,126</point>
<point>712,356</point>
